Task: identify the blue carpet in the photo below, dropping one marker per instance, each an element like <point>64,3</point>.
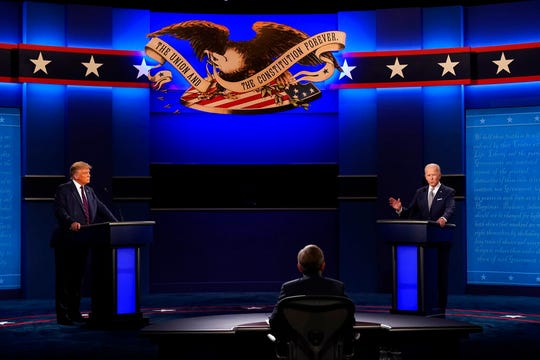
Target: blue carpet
<point>28,328</point>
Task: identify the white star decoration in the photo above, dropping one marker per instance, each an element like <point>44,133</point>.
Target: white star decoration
<point>346,70</point>
<point>397,68</point>
<point>448,66</point>
<point>40,63</point>
<point>91,67</point>
<point>503,63</point>
<point>143,68</point>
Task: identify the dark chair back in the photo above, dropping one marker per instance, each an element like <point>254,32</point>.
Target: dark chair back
<point>314,327</point>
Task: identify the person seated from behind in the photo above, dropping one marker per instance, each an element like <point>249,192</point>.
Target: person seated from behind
<point>311,263</point>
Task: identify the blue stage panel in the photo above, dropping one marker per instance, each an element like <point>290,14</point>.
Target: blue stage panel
<point>407,278</point>
<point>126,280</point>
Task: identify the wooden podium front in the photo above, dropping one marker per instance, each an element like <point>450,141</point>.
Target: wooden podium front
<point>420,252</point>
<point>115,263</point>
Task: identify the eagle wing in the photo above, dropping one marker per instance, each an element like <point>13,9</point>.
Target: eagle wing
<point>274,39</point>
<point>202,35</point>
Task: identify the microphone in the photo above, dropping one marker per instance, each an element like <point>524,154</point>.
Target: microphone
<point>117,208</point>
<point>120,213</point>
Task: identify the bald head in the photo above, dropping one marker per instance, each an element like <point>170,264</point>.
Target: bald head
<point>311,259</point>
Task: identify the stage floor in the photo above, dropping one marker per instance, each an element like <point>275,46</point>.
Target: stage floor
<point>28,329</point>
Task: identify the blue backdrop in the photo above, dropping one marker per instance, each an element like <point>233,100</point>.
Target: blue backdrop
<point>380,138</point>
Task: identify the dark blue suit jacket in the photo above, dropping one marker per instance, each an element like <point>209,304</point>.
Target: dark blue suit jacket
<point>68,208</point>
<point>310,285</point>
<point>443,205</point>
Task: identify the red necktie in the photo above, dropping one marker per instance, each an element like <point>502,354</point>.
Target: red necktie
<point>85,205</point>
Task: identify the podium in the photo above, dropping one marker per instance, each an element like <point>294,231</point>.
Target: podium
<point>115,271</point>
<point>420,251</point>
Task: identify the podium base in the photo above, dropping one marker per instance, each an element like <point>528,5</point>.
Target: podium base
<point>130,321</point>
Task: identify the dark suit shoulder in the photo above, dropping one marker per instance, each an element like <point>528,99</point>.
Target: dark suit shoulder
<point>321,279</point>
<point>66,186</point>
<point>291,282</point>
<point>313,285</point>
<point>447,188</point>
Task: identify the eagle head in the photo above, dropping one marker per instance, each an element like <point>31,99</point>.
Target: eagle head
<point>232,63</point>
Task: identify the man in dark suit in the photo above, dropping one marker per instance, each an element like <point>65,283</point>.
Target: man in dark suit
<point>75,204</point>
<point>421,208</point>
<point>311,264</point>
<point>439,208</point>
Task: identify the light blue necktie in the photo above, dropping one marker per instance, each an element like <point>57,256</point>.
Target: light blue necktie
<point>431,195</point>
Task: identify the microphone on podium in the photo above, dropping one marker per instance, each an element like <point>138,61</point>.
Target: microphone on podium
<point>116,207</point>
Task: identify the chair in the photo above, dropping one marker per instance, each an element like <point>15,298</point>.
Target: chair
<point>313,327</point>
